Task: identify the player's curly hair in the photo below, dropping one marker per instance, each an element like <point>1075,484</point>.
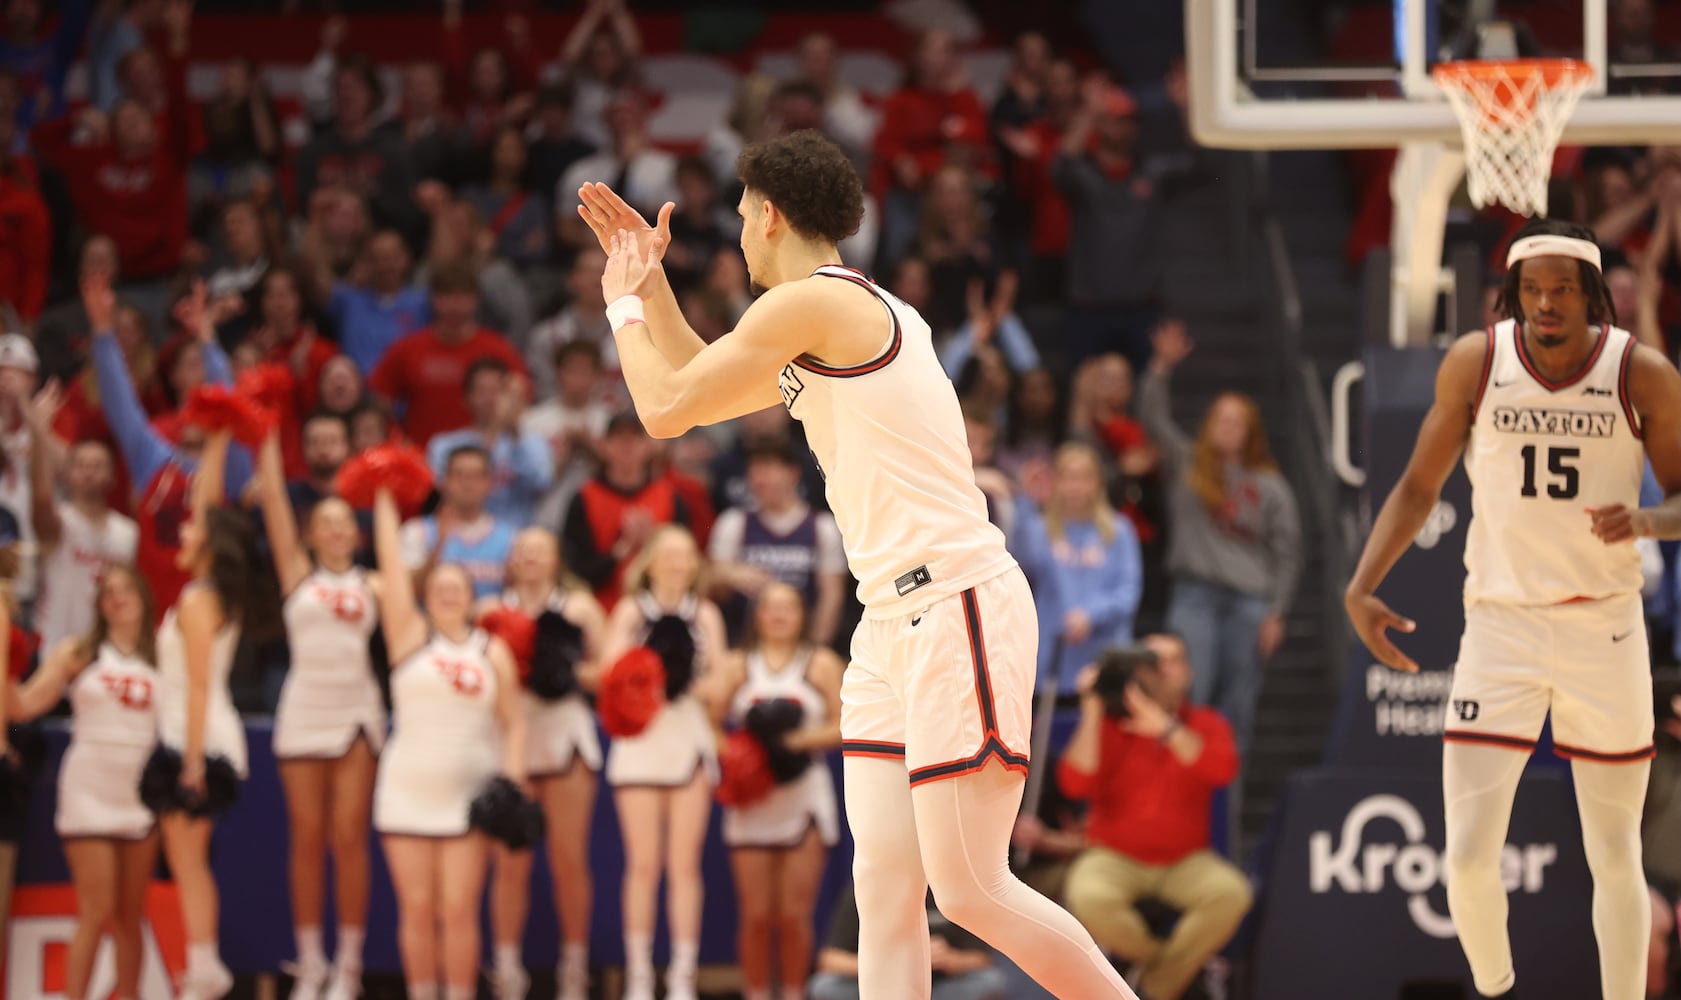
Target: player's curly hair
<point>1600,308</point>
<point>809,180</point>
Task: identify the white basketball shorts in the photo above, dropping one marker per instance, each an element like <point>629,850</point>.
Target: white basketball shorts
<point>947,688</point>
<point>1586,661</point>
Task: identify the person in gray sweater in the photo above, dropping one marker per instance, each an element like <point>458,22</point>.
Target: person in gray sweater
<point>1234,549</point>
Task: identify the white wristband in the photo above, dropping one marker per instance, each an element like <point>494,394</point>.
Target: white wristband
<point>624,310</point>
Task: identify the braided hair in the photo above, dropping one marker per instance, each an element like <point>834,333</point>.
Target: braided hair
<point>1600,309</point>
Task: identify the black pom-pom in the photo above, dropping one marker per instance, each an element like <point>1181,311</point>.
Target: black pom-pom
<point>774,718</point>
<point>786,765</point>
<point>161,791</point>
<point>554,663</point>
<point>506,815</point>
<point>670,639</point>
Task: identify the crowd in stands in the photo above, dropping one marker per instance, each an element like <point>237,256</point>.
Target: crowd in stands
<point>416,264</point>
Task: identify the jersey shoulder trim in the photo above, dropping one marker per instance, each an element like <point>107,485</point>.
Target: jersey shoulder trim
<point>1488,368</point>
<point>1568,381</point>
<point>1622,386</point>
<point>881,360</point>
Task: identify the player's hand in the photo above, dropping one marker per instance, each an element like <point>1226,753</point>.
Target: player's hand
<point>606,213</point>
<point>1372,620</point>
<point>1617,523</point>
<point>629,271</point>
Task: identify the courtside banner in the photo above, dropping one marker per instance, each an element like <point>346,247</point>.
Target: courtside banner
<point>1388,718</point>
<point>38,938</point>
<point>1354,903</point>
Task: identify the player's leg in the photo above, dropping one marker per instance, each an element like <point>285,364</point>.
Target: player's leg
<point>1499,700</point>
<point>1602,721</point>
<point>970,710</point>
<point>887,878</point>
<point>964,824</point>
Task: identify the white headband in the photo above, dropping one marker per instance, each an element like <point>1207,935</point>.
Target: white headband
<point>1554,246</point>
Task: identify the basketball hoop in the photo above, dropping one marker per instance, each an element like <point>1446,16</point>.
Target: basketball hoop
<point>1511,116</point>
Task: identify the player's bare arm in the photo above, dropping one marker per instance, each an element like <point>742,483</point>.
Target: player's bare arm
<point>606,213</point>
<point>1654,389</point>
<point>1441,440</point>
<point>829,320</point>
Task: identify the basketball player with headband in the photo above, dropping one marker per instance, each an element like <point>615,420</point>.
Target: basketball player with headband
<point>1556,412</point>
<point>936,704</point>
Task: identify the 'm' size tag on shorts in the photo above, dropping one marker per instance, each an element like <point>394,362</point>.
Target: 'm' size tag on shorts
<point>915,579</point>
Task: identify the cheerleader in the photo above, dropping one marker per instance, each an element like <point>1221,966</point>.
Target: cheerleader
<point>779,845</point>
<point>110,838</point>
<point>562,760</point>
<point>197,723</point>
<point>456,716</point>
<point>662,779</point>
<point>328,728</point>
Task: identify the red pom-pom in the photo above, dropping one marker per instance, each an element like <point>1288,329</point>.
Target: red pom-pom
<point>518,630</point>
<point>631,693</point>
<point>218,408</point>
<point>272,385</point>
<point>746,776</point>
<point>401,470</point>
<point>19,651</point>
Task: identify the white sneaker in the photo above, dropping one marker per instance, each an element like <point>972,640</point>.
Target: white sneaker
<point>639,986</point>
<point>572,982</point>
<point>511,984</point>
<point>680,987</point>
<point>211,984</point>
<point>345,983</point>
<point>309,980</point>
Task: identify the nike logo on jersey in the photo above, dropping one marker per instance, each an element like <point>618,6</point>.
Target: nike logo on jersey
<point>1620,638</point>
<point>1559,423</point>
<point>1596,391</point>
<point>915,622</point>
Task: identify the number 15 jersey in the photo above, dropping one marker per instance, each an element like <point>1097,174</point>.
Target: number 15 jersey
<point>1540,455</point>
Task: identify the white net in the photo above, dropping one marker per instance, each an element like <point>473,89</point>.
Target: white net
<point>1511,116</point>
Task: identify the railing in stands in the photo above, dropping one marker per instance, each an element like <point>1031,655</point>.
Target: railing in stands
<point>1307,430</point>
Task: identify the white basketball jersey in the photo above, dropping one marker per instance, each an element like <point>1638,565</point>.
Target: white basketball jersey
<point>889,439</point>
<point>1540,455</point>
<point>70,575</point>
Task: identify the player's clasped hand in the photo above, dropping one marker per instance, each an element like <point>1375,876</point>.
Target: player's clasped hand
<point>628,268</point>
<point>1617,523</point>
<point>1372,621</point>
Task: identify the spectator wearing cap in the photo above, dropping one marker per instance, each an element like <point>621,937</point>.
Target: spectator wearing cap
<point>644,175</point>
<point>616,512</point>
<point>423,373</point>
<point>19,368</point>
<point>933,119</point>
<point>779,538</point>
<point>1114,260</point>
<point>521,466</point>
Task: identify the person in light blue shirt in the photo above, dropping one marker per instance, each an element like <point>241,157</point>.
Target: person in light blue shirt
<point>521,465</point>
<point>1095,559</point>
<point>373,315</point>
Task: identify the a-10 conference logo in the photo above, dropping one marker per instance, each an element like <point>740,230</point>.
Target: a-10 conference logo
<point>1350,864</point>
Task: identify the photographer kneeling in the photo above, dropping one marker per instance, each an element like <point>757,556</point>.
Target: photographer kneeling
<point>1150,764</point>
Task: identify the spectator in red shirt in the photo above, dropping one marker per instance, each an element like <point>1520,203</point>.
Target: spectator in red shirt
<point>284,335</point>
<point>1149,763</point>
<point>126,182</point>
<point>933,120</point>
<point>26,246</point>
<point>425,370</point>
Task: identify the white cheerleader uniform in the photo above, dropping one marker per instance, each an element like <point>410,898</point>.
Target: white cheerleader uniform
<point>113,729</point>
<point>224,734</point>
<point>781,819</point>
<point>445,743</point>
<point>330,696</point>
<point>679,740</point>
<point>561,732</point>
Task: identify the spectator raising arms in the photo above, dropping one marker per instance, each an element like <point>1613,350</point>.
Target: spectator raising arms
<point>1235,552</point>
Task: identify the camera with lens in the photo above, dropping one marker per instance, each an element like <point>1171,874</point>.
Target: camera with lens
<point>1116,668</point>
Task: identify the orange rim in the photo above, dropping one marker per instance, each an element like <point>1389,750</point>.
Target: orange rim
<point>1502,77</point>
